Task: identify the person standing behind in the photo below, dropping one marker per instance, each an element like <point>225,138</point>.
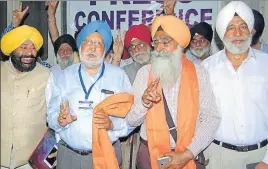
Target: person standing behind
<point>259,25</point>
<point>239,76</point>
<point>200,45</point>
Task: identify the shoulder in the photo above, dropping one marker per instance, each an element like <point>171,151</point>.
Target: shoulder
<point>111,69</point>
<point>212,60</point>
<point>41,69</point>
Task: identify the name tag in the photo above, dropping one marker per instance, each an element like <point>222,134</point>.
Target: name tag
<point>85,105</point>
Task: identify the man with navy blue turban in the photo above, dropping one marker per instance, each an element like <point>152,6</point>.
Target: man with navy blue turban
<point>76,93</point>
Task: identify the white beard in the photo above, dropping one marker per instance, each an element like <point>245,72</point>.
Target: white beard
<point>64,63</point>
<point>141,57</point>
<point>166,66</point>
<point>237,49</point>
<point>200,52</point>
<point>90,64</point>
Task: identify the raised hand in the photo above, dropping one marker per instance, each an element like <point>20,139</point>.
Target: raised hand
<point>52,7</point>
<point>118,46</point>
<point>151,95</point>
<point>169,6</point>
<point>65,117</point>
<point>18,15</point>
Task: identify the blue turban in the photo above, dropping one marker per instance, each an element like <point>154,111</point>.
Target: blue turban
<point>96,26</point>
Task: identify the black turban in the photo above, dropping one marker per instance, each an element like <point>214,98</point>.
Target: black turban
<point>203,29</point>
<point>259,22</point>
<point>66,38</point>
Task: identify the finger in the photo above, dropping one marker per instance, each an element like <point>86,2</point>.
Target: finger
<point>100,115</point>
<point>67,105</point>
<point>118,34</point>
<point>25,10</point>
<point>102,126</point>
<point>100,121</point>
<point>171,154</point>
<point>20,7</point>
<point>61,108</point>
<point>152,95</point>
<point>155,84</point>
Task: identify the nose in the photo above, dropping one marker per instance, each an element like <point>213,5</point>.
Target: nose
<point>197,44</point>
<point>159,47</point>
<point>237,32</point>
<point>92,47</point>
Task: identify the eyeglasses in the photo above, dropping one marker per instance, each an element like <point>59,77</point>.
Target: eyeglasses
<point>97,44</point>
<point>139,46</point>
<point>201,40</point>
<point>164,42</point>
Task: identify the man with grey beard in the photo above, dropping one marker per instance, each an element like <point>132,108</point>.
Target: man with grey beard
<point>173,101</point>
<point>239,76</point>
<point>200,45</point>
<point>138,45</point>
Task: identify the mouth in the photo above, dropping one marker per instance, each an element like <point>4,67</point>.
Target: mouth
<point>238,42</point>
<point>27,60</point>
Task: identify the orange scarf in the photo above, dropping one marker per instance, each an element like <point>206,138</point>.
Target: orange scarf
<point>103,152</point>
<point>156,126</point>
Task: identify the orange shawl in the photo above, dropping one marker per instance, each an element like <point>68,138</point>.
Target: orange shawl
<point>156,126</point>
<point>103,152</point>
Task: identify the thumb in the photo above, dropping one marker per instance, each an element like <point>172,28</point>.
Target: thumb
<point>74,118</point>
<point>170,154</point>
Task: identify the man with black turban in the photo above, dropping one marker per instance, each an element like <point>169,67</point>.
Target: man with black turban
<point>200,45</point>
<point>259,25</point>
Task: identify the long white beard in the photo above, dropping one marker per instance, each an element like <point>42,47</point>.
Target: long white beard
<point>166,66</point>
<point>141,57</point>
<point>200,52</point>
<point>90,64</point>
<point>238,49</point>
<point>64,63</point>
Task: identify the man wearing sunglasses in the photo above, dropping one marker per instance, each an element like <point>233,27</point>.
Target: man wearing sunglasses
<point>200,45</point>
<point>137,43</point>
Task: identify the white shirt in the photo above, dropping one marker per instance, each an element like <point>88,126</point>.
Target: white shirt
<point>78,134</point>
<point>264,46</point>
<point>241,97</point>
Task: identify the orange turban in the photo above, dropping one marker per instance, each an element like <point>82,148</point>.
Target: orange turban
<point>173,26</point>
<point>13,39</point>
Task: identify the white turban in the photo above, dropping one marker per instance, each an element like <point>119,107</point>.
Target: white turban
<point>227,13</point>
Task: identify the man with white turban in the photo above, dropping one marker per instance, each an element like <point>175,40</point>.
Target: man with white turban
<point>23,104</point>
<point>239,76</point>
<point>171,82</point>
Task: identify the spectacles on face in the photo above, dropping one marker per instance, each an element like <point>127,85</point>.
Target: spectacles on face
<point>139,46</point>
<point>97,44</point>
<point>201,40</point>
<point>165,42</point>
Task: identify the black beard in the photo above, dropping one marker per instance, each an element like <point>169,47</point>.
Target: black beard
<point>255,40</point>
<point>17,63</point>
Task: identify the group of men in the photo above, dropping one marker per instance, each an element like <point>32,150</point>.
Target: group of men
<point>209,104</point>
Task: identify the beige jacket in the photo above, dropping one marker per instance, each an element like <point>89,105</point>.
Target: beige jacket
<point>23,111</point>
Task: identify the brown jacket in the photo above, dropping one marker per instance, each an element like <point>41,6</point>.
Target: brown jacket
<point>23,111</point>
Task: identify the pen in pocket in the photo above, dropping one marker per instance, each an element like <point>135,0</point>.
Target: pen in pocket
<point>28,93</point>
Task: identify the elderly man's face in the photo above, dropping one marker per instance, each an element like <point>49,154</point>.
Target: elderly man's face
<point>24,57</point>
<point>65,56</point>
<point>92,50</point>
<point>200,46</point>
<point>237,37</point>
<point>163,42</point>
<point>139,51</point>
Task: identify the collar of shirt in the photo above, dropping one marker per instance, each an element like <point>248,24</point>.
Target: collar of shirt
<point>91,77</point>
<point>224,58</point>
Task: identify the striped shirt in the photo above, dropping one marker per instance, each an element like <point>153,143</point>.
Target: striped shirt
<point>208,118</point>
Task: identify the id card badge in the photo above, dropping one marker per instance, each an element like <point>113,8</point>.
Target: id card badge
<point>85,105</point>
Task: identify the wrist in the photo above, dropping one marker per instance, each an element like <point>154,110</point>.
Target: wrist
<point>115,59</point>
<point>51,18</point>
<point>188,154</point>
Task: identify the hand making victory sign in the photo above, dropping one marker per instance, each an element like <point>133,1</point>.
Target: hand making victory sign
<point>150,94</point>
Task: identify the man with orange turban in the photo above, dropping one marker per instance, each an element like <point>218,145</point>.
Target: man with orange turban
<point>23,85</point>
<point>173,101</point>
